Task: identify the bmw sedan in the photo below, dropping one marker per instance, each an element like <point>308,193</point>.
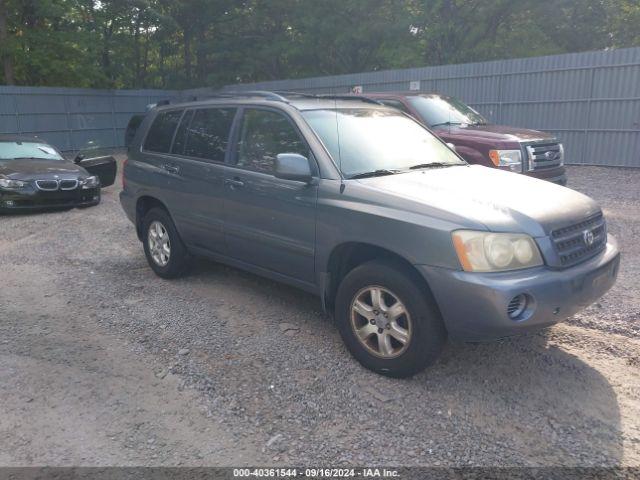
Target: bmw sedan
<point>34,175</point>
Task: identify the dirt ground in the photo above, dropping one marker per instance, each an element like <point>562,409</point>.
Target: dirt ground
<point>103,363</point>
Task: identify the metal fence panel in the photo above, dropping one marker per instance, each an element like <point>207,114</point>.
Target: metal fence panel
<point>73,118</point>
<point>590,100</point>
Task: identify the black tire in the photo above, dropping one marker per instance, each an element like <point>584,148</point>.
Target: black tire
<point>178,259</point>
<point>428,333</point>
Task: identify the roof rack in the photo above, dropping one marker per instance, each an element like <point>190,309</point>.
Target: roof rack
<point>249,93</point>
<point>339,96</point>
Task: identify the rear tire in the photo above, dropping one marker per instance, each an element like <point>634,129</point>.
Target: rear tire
<point>163,247</point>
<point>405,313</point>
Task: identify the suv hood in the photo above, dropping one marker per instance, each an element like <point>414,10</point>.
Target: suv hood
<point>501,201</point>
<point>493,133</point>
<point>40,169</point>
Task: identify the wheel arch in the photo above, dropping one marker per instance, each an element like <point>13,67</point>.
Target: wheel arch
<point>349,255</point>
<point>143,205</point>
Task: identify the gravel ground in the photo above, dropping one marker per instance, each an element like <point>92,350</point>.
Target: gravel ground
<point>103,363</point>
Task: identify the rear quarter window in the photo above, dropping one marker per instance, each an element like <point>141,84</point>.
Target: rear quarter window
<point>161,132</point>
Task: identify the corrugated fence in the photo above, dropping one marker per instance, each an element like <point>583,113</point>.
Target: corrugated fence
<point>73,119</point>
<point>589,100</point>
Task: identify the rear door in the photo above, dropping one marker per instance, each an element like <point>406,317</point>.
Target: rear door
<point>270,222</point>
<point>200,150</point>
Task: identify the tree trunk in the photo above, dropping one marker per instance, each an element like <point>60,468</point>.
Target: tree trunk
<point>7,61</point>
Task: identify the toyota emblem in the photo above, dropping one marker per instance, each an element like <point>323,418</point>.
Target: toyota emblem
<point>588,237</point>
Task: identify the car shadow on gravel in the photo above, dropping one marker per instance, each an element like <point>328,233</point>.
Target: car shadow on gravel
<point>536,395</point>
<point>525,400</point>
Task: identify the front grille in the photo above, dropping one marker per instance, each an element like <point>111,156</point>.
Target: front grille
<point>545,155</point>
<point>579,241</point>
<point>47,185</point>
<point>68,184</point>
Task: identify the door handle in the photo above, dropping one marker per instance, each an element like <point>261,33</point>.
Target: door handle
<point>234,183</point>
<point>171,168</point>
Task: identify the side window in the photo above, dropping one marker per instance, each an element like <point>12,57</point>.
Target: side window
<point>263,136</point>
<point>208,133</point>
<point>395,104</point>
<point>161,132</point>
<point>181,134</point>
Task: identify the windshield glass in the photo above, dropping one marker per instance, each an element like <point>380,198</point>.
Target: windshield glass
<point>11,150</point>
<point>364,140</point>
<point>436,110</point>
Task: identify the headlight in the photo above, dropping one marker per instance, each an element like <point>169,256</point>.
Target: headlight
<point>11,184</point>
<point>90,182</point>
<point>507,158</point>
<point>494,252</point>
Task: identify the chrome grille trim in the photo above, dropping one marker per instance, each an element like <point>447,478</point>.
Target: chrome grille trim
<point>571,243</point>
<point>47,185</point>
<point>70,184</point>
<point>545,154</point>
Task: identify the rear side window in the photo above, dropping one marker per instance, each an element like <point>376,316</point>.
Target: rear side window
<point>263,136</point>
<point>181,134</point>
<point>161,131</point>
<point>208,134</point>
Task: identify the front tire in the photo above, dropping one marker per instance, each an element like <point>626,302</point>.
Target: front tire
<point>389,323</point>
<point>163,247</point>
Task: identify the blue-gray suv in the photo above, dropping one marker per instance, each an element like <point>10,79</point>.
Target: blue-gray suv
<point>404,242</point>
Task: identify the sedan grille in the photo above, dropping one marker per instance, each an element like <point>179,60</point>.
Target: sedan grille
<point>53,185</point>
<point>68,184</point>
<point>545,155</point>
<point>579,241</point>
<point>47,185</point>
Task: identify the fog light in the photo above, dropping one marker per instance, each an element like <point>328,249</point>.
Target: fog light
<point>517,306</point>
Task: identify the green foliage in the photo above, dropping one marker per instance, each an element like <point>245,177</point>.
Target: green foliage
<point>186,43</point>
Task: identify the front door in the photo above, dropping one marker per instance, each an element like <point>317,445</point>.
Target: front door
<point>270,222</point>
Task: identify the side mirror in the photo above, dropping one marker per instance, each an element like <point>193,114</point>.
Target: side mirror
<point>451,146</point>
<point>293,166</point>
<point>78,159</point>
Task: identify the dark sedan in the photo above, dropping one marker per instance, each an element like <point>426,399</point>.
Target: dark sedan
<point>34,175</point>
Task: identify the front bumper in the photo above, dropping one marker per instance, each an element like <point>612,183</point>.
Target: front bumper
<point>474,305</point>
<point>556,175</point>
<point>29,200</point>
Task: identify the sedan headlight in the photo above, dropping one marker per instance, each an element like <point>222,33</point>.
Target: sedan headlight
<point>494,252</point>
<point>10,184</point>
<point>507,158</point>
<point>90,182</point>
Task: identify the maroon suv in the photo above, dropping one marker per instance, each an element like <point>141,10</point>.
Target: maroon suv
<point>531,152</point>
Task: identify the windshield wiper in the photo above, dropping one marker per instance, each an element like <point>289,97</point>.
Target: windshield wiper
<point>31,158</point>
<point>375,173</point>
<point>433,165</point>
<point>446,123</point>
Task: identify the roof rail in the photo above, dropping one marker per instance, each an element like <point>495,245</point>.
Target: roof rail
<point>339,96</point>
<point>249,93</point>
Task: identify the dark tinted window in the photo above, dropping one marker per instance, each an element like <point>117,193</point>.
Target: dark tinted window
<point>181,134</point>
<point>161,131</point>
<point>132,128</point>
<point>208,133</point>
<point>263,136</point>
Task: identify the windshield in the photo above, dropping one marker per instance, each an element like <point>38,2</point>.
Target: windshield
<point>435,110</point>
<point>11,150</point>
<point>365,140</point>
